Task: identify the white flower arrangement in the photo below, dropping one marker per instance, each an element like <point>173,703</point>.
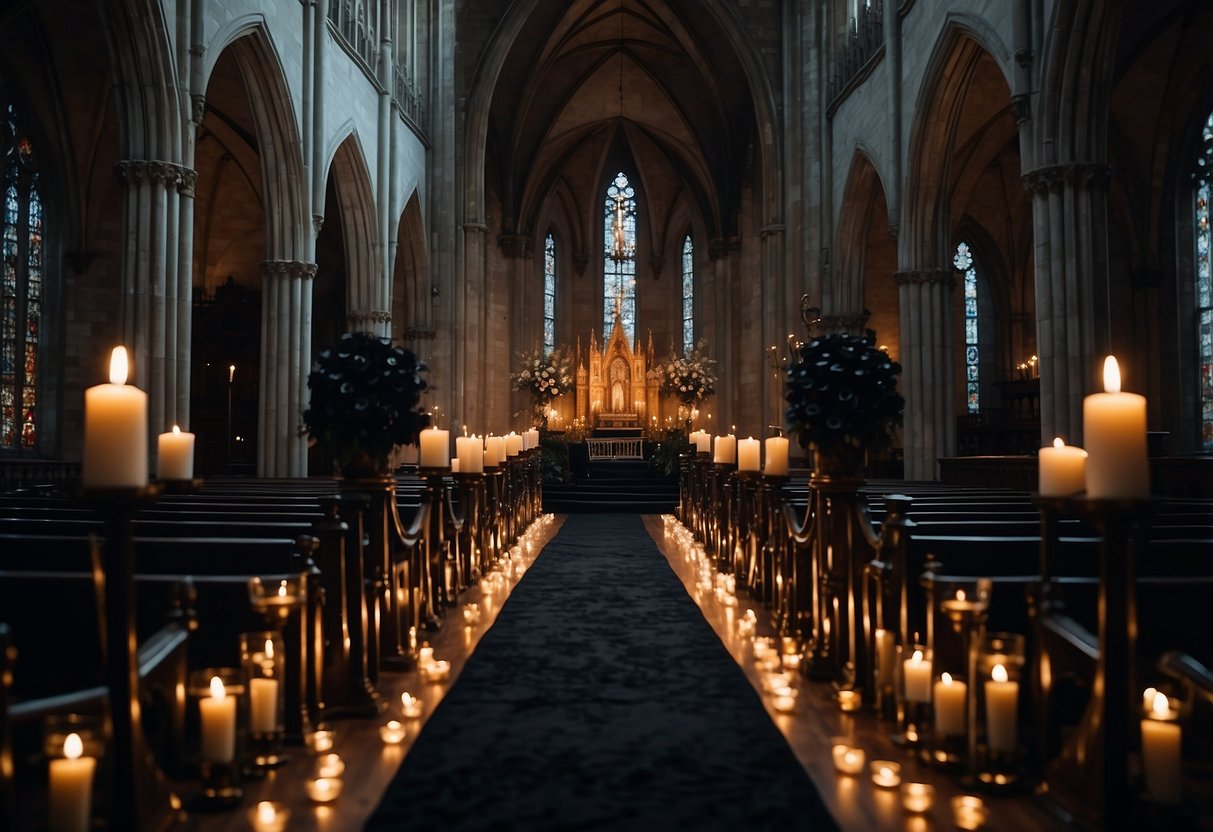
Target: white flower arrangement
<point>689,378</point>
<point>545,377</point>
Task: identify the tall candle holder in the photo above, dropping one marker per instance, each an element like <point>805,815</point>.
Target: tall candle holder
<point>262,655</point>
<point>218,696</point>
<point>435,566</point>
<point>967,610</point>
<point>470,487</point>
<point>1001,658</point>
<point>280,602</point>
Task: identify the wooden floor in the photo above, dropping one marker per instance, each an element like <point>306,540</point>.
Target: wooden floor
<point>854,801</point>
<point>370,764</point>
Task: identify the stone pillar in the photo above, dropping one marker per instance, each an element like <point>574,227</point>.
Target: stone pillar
<point>1069,213</point>
<point>157,284</point>
<point>469,332</point>
<point>927,360</point>
<point>773,332</point>
<point>286,330</point>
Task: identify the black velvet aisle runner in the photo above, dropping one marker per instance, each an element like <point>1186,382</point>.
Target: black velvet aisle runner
<point>600,699</point>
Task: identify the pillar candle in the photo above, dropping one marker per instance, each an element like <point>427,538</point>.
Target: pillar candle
<point>71,788</point>
<point>726,449</point>
<point>263,705</point>
<point>218,719</point>
<point>455,465</point>
<point>1160,752</point>
<point>1002,711</point>
<point>917,671</point>
<point>703,442</point>
<point>748,451</point>
<point>1114,433</point>
<point>115,431</point>
<point>175,455</point>
<point>513,444</point>
<point>1063,470</point>
<point>435,448</point>
<point>777,456</point>
<point>950,706</point>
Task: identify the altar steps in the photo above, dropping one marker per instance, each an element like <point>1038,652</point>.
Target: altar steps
<point>613,486</point>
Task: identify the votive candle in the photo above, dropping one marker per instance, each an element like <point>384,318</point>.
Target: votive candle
<point>917,672</point>
<point>885,773</point>
<point>1002,710</point>
<point>217,714</point>
<point>848,759</point>
<point>1063,470</point>
<point>175,455</point>
<point>1161,740</point>
<point>950,696</point>
<point>917,798</point>
<point>71,788</point>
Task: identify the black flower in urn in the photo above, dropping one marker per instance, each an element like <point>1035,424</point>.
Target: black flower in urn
<point>364,399</point>
<point>842,395</point>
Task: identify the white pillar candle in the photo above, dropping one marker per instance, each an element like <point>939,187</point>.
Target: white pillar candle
<point>917,671</point>
<point>71,788</point>
<point>748,451</point>
<point>1114,434</point>
<point>115,431</point>
<point>175,455</point>
<point>1161,742</point>
<point>1002,711</point>
<point>217,714</point>
<point>513,445</point>
<point>263,705</point>
<point>1063,470</point>
<point>725,449</point>
<point>703,442</point>
<point>950,706</point>
<point>470,454</point>
<point>777,456</point>
<point>435,448</point>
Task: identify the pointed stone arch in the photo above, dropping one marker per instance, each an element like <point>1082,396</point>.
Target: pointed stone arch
<point>412,298</point>
<point>864,187</point>
<point>351,178</point>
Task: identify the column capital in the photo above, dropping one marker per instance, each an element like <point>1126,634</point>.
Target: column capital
<point>926,277</point>
<point>371,316</point>
<point>1054,177</point>
<point>772,229</point>
<point>288,268</point>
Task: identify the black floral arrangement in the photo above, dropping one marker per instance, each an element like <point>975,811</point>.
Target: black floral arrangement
<point>364,398</point>
<point>842,393</point>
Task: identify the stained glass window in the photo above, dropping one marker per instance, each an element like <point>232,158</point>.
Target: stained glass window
<point>688,296</point>
<point>1203,178</point>
<point>21,280</point>
<point>549,294</point>
<point>618,256</point>
<point>963,261</point>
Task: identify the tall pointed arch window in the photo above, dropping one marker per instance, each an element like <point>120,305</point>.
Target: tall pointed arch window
<point>549,294</point>
<point>21,279</point>
<point>619,256</point>
<point>963,261</point>
<point>1203,242</point>
<point>688,295</point>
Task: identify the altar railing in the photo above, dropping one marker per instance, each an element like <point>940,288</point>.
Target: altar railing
<point>616,448</point>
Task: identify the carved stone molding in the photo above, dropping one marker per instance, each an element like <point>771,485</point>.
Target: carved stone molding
<point>197,108</point>
<point>186,182</point>
<point>1055,177</point>
<point>374,316</point>
<point>850,324</point>
<point>288,268</point>
<point>317,223</point>
<point>515,245</point>
<point>169,174</point>
<point>414,334</point>
<point>1021,106</point>
<point>926,277</point>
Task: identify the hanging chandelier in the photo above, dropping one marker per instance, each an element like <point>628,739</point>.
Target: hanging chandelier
<point>622,248</point>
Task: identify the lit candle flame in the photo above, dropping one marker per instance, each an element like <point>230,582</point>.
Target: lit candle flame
<point>282,590</point>
<point>946,678</point>
<point>266,813</point>
<point>999,674</point>
<point>917,657</point>
<point>73,747</point>
<point>217,690</point>
<point>176,430</point>
<point>1111,375</point>
<point>1057,443</point>
<point>269,648</point>
<point>960,595</point>
<point>118,366</point>
<point>1148,696</point>
<point>1161,705</point>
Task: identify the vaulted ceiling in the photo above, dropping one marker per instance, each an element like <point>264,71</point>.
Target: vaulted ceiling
<point>657,83</point>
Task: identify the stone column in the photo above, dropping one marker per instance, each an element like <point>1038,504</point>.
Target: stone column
<point>155,275</point>
<point>927,360</point>
<point>773,333</point>
<point>286,329</point>
<point>469,331</point>
<point>1069,213</point>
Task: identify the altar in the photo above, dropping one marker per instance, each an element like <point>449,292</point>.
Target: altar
<point>614,387</point>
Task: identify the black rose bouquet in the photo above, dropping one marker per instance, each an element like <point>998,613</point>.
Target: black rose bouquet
<point>364,398</point>
<point>842,394</point>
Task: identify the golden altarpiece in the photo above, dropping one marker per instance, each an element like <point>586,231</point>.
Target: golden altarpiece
<point>616,390</point>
